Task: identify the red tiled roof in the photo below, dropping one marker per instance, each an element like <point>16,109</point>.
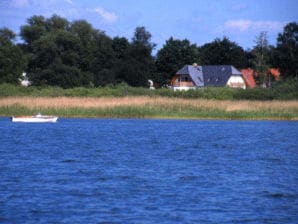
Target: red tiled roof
<point>248,76</point>
<point>275,73</point>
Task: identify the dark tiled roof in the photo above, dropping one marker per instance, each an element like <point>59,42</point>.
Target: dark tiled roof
<point>218,75</point>
<point>209,75</point>
<point>194,72</point>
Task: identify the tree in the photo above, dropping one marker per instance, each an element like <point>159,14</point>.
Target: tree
<point>223,52</point>
<point>86,42</point>
<point>287,50</point>
<point>143,37</point>
<point>59,53</point>
<point>103,59</point>
<point>34,30</point>
<point>55,60</point>
<point>137,66</point>
<point>261,54</point>
<point>57,23</point>
<point>12,59</point>
<point>54,56</point>
<point>120,47</point>
<point>172,56</point>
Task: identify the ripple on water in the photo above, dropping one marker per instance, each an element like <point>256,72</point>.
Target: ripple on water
<point>149,171</point>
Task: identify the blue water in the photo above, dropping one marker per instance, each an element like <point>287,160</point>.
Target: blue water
<point>149,171</point>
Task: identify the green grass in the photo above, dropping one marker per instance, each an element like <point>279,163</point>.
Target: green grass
<point>283,90</point>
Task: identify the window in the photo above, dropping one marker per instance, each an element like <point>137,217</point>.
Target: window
<point>184,79</point>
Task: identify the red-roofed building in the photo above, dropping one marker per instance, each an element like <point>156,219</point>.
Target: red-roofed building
<point>248,76</point>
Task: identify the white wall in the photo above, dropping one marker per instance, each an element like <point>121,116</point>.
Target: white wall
<point>185,88</point>
<point>236,82</point>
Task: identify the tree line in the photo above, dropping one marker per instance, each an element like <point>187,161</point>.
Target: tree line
<point>58,52</point>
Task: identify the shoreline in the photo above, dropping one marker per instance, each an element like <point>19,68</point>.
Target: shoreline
<point>174,118</point>
<point>141,107</point>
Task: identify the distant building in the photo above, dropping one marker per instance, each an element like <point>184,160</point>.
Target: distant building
<point>193,76</point>
<point>188,77</point>
<point>249,76</point>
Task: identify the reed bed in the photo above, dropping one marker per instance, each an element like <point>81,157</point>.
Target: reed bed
<point>145,106</point>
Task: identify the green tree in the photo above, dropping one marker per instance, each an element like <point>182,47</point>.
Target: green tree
<point>120,47</point>
<point>143,37</point>
<point>223,52</point>
<point>261,54</point>
<point>82,30</point>
<point>137,66</point>
<point>12,59</point>
<point>103,60</point>
<point>172,56</point>
<point>55,60</point>
<point>59,53</point>
<point>36,27</point>
<point>57,23</point>
<point>287,50</point>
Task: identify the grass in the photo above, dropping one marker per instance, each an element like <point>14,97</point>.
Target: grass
<point>283,90</point>
<point>149,107</point>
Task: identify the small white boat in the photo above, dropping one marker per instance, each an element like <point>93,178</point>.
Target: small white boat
<point>34,119</point>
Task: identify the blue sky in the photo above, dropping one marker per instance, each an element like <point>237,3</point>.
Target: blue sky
<point>200,21</point>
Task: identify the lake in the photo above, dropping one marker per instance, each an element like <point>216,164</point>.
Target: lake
<point>149,171</point>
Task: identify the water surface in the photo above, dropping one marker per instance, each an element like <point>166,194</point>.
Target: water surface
<point>149,171</point>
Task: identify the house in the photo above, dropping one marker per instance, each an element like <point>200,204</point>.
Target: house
<point>249,76</point>
<point>193,76</point>
<point>188,77</point>
<point>223,75</point>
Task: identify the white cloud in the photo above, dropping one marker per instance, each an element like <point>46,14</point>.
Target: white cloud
<point>108,17</point>
<point>241,25</point>
<point>249,25</point>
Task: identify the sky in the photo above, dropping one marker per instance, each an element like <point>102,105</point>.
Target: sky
<point>199,21</point>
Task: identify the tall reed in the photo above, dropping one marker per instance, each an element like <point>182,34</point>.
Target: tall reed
<point>144,106</point>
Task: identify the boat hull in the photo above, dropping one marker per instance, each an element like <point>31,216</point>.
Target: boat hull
<point>34,119</point>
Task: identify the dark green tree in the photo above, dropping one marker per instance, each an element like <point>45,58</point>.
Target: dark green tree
<point>137,66</point>
<point>57,23</point>
<point>223,52</point>
<point>55,60</point>
<point>172,56</point>
<point>82,30</point>
<point>287,50</point>
<point>143,37</point>
<point>12,59</point>
<point>120,47</point>
<point>59,53</point>
<point>36,27</point>
<point>103,60</point>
